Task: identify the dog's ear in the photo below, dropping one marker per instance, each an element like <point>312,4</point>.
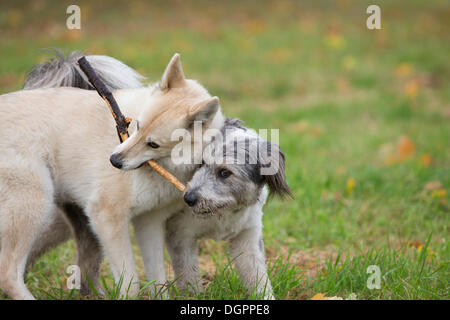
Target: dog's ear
<point>203,111</point>
<point>272,163</point>
<point>173,76</point>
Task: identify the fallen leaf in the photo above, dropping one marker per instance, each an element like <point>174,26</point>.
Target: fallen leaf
<point>430,254</point>
<point>319,296</point>
<point>416,244</point>
<point>405,148</point>
<point>350,185</point>
<point>440,194</point>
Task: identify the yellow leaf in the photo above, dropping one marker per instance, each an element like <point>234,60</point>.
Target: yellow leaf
<point>429,254</point>
<point>439,194</point>
<point>350,185</point>
<point>319,296</point>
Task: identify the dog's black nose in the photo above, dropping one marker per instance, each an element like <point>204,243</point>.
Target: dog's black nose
<point>116,161</point>
<point>190,198</point>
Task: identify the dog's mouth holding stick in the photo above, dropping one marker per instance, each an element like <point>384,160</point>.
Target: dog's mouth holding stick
<point>122,122</point>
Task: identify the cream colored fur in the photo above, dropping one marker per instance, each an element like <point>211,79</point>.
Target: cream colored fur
<point>55,150</point>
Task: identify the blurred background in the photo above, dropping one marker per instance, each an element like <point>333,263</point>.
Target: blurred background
<point>363,118</point>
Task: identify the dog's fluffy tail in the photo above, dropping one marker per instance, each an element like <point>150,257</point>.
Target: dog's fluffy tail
<point>64,71</point>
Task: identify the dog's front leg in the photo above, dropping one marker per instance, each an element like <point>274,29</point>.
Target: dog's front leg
<point>247,252</point>
<point>183,251</point>
<point>111,225</point>
<point>149,232</point>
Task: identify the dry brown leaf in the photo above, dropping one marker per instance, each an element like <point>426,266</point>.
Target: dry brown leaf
<point>405,148</point>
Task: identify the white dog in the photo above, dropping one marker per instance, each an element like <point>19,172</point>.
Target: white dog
<point>55,151</point>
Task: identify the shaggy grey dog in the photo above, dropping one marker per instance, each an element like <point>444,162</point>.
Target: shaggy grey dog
<point>225,199</point>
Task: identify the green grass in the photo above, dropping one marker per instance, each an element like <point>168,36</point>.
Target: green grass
<point>342,96</point>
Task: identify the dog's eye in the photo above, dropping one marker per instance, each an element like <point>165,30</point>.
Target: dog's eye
<point>153,145</point>
<point>224,173</point>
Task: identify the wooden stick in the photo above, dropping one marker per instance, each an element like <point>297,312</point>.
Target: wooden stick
<point>122,122</point>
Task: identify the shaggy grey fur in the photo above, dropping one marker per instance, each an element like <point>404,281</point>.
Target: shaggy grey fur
<point>228,207</point>
<point>64,71</point>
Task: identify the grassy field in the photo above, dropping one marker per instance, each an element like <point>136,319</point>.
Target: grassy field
<point>364,119</point>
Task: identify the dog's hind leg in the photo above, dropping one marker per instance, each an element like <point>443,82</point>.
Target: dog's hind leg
<point>90,254</point>
<point>26,205</point>
<point>56,232</point>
